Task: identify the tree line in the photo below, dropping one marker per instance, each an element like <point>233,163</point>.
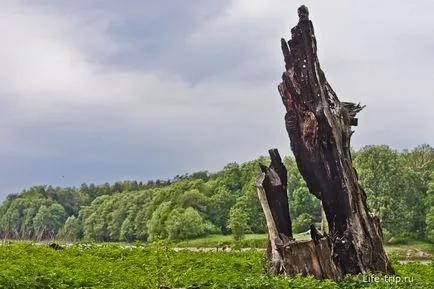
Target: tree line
<point>399,186</point>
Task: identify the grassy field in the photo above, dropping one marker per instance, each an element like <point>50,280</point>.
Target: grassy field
<point>406,249</point>
<point>249,241</point>
<point>27,265</point>
<point>411,249</point>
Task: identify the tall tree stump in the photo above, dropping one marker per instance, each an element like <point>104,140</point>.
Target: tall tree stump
<point>319,128</point>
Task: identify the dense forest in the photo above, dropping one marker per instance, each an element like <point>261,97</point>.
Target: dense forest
<point>399,185</point>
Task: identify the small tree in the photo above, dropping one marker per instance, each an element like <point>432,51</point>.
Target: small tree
<point>127,232</point>
<point>237,222</point>
<point>49,220</point>
<point>156,225</point>
<point>185,224</point>
<point>72,230</point>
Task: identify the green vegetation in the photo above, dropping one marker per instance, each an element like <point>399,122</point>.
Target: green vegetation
<point>397,248</point>
<point>404,248</point>
<point>27,265</point>
<point>399,185</point>
<point>249,241</point>
<point>237,222</point>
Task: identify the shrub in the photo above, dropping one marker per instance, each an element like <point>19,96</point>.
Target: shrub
<point>302,223</point>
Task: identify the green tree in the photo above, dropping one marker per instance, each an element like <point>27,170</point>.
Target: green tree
<point>237,223</point>
<point>250,205</point>
<point>71,199</point>
<point>231,178</point>
<point>249,201</point>
<point>18,216</point>
<point>72,230</point>
<point>382,175</point>
<point>429,218</point>
<point>302,223</point>
<point>194,199</point>
<point>49,220</point>
<point>127,232</point>
<point>418,165</point>
<point>219,206</point>
<point>157,224</point>
<point>140,224</point>
<point>184,224</point>
<point>94,219</point>
<point>303,202</point>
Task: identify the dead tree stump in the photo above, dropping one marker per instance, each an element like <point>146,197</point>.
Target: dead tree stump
<point>287,255</point>
<point>319,128</point>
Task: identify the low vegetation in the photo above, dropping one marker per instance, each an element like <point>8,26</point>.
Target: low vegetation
<point>206,210</point>
<point>28,265</point>
<point>219,241</point>
<point>399,249</point>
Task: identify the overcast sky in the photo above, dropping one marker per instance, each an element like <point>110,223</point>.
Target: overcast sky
<point>96,91</point>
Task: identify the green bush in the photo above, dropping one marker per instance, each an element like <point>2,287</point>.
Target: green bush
<point>253,243</point>
<point>302,223</point>
<point>399,241</point>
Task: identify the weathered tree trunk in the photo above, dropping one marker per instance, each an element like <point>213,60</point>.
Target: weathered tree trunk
<point>319,127</point>
<point>271,186</point>
<point>287,255</point>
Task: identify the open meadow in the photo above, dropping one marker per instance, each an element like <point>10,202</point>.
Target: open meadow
<point>29,265</point>
<point>400,249</point>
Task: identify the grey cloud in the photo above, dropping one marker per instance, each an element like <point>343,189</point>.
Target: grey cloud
<point>158,35</point>
<point>165,90</point>
<point>152,31</point>
<point>115,152</point>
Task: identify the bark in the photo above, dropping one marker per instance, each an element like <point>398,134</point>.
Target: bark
<point>319,128</point>
<point>287,255</point>
<point>310,258</point>
<point>275,185</point>
<point>273,252</point>
<point>271,187</point>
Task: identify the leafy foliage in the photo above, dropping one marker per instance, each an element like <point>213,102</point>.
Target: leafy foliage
<point>27,265</point>
<point>302,223</point>
<point>429,218</point>
<point>399,185</point>
<point>185,224</point>
<point>237,222</point>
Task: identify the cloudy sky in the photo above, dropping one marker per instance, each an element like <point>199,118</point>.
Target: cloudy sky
<point>96,91</point>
